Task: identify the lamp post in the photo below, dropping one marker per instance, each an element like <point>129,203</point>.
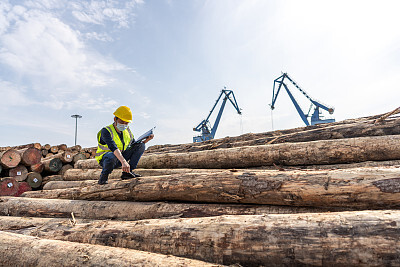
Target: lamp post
<point>76,116</point>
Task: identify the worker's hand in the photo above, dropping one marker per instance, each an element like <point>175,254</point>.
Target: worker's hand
<point>148,138</point>
<point>125,166</point>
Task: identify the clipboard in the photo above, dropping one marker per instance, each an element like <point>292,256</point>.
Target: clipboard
<point>144,136</point>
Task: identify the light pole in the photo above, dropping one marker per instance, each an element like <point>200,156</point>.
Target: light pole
<point>76,116</point>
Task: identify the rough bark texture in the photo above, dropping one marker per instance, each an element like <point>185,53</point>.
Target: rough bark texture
<point>126,210</point>
<point>65,156</point>
<point>22,250</point>
<point>357,188</point>
<point>10,158</point>
<point>309,153</point>
<point>86,164</point>
<point>64,168</point>
<point>369,238</point>
<point>326,132</point>
<point>94,174</point>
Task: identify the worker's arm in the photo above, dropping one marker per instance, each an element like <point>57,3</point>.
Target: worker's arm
<point>125,165</point>
<point>148,138</point>
<point>106,139</point>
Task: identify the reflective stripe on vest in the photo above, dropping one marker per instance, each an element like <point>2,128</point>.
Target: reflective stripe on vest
<point>102,149</point>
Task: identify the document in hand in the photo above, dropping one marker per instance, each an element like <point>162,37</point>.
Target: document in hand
<point>145,135</point>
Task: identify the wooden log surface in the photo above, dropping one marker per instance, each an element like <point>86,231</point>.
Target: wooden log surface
<point>64,168</point>
<point>10,158</point>
<point>64,156</point>
<point>49,178</point>
<point>356,188</point>
<point>34,179</point>
<point>39,168</point>
<point>22,250</point>
<point>131,211</point>
<point>366,238</point>
<point>327,132</point>
<point>30,156</point>
<point>349,150</point>
<point>19,173</point>
<point>52,165</point>
<point>94,174</point>
<point>8,186</point>
<point>77,157</point>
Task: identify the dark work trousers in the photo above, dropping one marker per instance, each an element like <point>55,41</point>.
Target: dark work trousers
<point>132,155</point>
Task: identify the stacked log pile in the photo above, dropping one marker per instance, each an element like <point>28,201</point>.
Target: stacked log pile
<point>313,196</point>
<point>29,167</point>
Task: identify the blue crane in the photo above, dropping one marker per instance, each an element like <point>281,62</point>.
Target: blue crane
<point>315,117</point>
<point>208,133</point>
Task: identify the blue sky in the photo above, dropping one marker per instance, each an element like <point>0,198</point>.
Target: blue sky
<point>169,59</point>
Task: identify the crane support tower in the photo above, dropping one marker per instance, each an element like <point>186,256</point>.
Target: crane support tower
<point>208,133</point>
<point>315,117</point>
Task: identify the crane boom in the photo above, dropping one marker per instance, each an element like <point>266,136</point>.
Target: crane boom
<point>315,117</point>
<point>208,133</point>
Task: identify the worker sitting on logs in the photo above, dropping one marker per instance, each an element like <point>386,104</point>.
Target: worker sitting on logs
<point>116,147</point>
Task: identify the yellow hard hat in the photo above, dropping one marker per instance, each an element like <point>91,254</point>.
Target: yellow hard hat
<point>124,113</point>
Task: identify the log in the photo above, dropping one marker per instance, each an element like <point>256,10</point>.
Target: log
<point>39,168</point>
<point>356,188</point>
<point>52,165</point>
<point>51,185</point>
<point>30,156</point>
<point>63,147</point>
<point>131,211</point>
<point>8,187</point>
<point>64,168</point>
<point>22,250</point>
<point>367,238</point>
<point>44,152</point>
<point>54,149</point>
<point>94,174</point>
<point>46,147</point>
<point>76,148</point>
<point>10,158</point>
<point>86,164</point>
<point>65,157</point>
<point>311,133</point>
<point>23,187</point>
<point>49,178</point>
<point>49,155</point>
<point>34,179</point>
<point>349,150</point>
<point>78,156</point>
<point>34,145</point>
<point>19,173</point>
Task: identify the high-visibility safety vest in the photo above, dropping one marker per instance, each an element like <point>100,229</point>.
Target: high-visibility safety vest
<point>102,149</point>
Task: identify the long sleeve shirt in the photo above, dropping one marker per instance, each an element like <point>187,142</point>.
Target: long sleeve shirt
<point>106,139</point>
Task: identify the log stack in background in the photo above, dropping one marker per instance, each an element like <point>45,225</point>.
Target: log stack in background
<point>313,196</point>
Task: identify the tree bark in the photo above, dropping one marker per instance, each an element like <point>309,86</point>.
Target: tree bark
<point>65,157</point>
<point>49,178</point>
<point>34,179</point>
<point>30,156</point>
<point>356,188</point>
<point>22,250</point>
<point>19,173</point>
<point>78,156</point>
<point>349,150</point>
<point>94,174</point>
<point>131,211</point>
<point>10,158</point>
<point>64,168</point>
<point>342,129</point>
<point>52,165</point>
<point>311,239</point>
